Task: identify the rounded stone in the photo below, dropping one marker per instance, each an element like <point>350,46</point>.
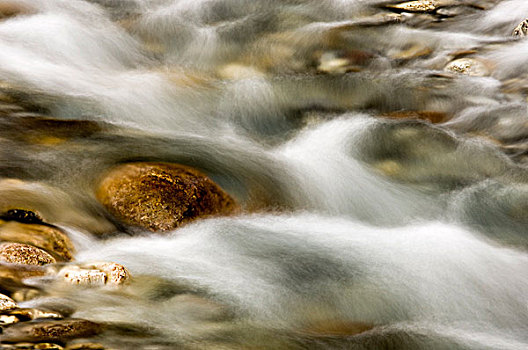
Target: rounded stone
<point>46,237</point>
<point>6,303</point>
<point>50,331</point>
<point>521,30</point>
<point>47,346</point>
<point>95,274</point>
<point>17,253</point>
<point>161,196</point>
<point>468,66</point>
<point>85,346</point>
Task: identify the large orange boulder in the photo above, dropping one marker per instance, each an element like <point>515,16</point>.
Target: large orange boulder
<point>161,196</point>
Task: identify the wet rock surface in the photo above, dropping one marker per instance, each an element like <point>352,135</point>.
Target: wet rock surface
<point>161,196</point>
<point>17,253</point>
<point>95,274</point>
<point>46,237</point>
<point>40,331</point>
<point>7,303</point>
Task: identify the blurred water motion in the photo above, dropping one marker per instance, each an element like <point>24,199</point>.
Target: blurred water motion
<point>377,149</point>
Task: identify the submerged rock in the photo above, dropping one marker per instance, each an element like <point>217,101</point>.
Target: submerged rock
<point>336,328</point>
<point>85,346</point>
<point>54,204</point>
<point>43,236</point>
<point>28,314</point>
<point>468,66</point>
<point>431,116</point>
<point>23,216</point>
<point>18,253</point>
<point>343,61</point>
<point>10,9</point>
<point>420,5</point>
<point>161,196</point>
<point>6,303</point>
<point>32,346</point>
<point>57,330</point>
<point>18,272</point>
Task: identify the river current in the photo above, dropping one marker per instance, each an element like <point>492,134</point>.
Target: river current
<point>382,185</point>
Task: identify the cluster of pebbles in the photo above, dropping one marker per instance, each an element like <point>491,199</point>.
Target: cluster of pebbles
<point>156,196</point>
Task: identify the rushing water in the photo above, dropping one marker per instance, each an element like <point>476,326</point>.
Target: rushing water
<point>350,216</point>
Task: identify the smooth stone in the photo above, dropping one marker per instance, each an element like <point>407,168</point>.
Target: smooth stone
<point>427,156</point>
<point>454,11</point>
<point>8,319</point>
<point>343,61</point>
<point>468,66</point>
<point>413,51</point>
<point>235,71</point>
<point>10,9</point>
<point>420,5</point>
<point>25,294</point>
<point>18,272</point>
<point>46,237</point>
<point>431,116</point>
<point>161,196</point>
<point>23,216</point>
<point>336,328</point>
<point>29,314</point>
<point>521,30</point>
<point>33,346</point>
<point>6,303</point>
<point>40,130</point>
<point>47,346</point>
<point>95,274</point>
<point>18,253</point>
<point>85,346</point>
<point>49,331</point>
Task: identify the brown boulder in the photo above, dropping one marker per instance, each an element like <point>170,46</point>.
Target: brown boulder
<point>161,196</point>
<point>17,253</point>
<point>57,330</point>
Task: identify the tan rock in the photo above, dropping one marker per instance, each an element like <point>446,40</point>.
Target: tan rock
<point>468,66</point>
<point>12,8</point>
<point>6,303</point>
<point>85,346</point>
<point>95,274</point>
<point>18,272</point>
<point>161,196</point>
<point>29,314</point>
<point>420,5</point>
<point>8,319</point>
<point>431,116</point>
<point>234,71</point>
<point>49,331</point>
<point>25,294</point>
<point>335,328</point>
<point>47,346</point>
<point>46,237</point>
<point>521,30</point>
<point>17,253</point>
<point>412,51</point>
